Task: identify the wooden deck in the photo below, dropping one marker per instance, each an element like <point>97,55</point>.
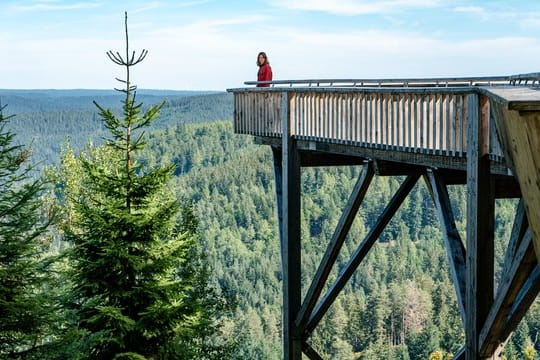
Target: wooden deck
<point>483,132</point>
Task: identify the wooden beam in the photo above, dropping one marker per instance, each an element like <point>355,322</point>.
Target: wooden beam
<point>523,302</point>
<point>480,219</point>
<point>391,168</point>
<point>332,251</point>
<point>516,236</point>
<point>361,252</point>
<point>278,180</point>
<point>291,250</point>
<point>453,243</point>
<point>310,352</point>
<point>460,355</point>
<point>317,158</point>
<point>506,187</point>
<point>511,285</point>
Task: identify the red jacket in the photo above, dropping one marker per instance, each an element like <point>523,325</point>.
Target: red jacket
<point>264,74</point>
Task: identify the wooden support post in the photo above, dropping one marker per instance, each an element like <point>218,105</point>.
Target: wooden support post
<point>480,218</point>
<point>453,244</point>
<point>332,251</point>
<point>515,282</point>
<point>361,252</point>
<point>292,342</point>
<point>278,180</point>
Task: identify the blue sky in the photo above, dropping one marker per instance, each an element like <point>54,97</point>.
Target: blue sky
<point>212,44</point>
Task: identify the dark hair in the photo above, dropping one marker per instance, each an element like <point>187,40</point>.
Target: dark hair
<point>265,58</point>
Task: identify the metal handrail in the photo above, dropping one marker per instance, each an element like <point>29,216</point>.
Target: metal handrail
<point>515,80</point>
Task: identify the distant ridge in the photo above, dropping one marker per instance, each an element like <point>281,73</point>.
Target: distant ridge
<point>46,119</point>
<point>43,100</point>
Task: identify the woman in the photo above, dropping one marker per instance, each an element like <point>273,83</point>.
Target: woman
<point>265,71</point>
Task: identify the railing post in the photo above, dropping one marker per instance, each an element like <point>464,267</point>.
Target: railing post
<point>292,342</point>
<point>480,218</point>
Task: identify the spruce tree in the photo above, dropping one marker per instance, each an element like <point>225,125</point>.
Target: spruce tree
<point>139,283</point>
<point>26,308</point>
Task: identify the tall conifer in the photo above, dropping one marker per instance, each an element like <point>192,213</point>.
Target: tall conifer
<point>136,282</point>
<point>26,310</point>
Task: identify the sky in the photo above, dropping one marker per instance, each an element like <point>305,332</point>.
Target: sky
<point>213,44</point>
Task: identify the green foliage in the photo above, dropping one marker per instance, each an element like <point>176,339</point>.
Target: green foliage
<point>138,282</point>
<point>400,304</point>
<point>47,118</point>
<point>27,313</point>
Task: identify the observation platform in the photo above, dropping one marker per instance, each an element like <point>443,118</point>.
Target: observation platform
<point>482,132</point>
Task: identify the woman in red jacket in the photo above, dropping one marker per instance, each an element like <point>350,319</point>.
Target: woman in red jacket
<point>265,71</point>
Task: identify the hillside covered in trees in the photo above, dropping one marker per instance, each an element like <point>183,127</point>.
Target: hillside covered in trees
<point>400,304</point>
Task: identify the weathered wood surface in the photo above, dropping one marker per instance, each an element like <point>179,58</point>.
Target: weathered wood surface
<point>454,245</point>
<point>480,219</point>
<point>515,98</point>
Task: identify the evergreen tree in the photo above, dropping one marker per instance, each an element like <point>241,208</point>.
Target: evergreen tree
<point>139,280</point>
<point>26,308</point>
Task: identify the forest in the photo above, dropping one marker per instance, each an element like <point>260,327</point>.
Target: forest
<point>400,304</point>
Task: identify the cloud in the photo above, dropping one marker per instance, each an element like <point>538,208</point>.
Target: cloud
<point>470,9</point>
<point>356,7</point>
<point>217,53</point>
<point>44,5</point>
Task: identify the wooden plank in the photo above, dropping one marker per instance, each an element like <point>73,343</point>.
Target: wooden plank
<point>515,97</point>
<point>291,251</point>
<point>334,247</point>
<point>455,250</point>
<point>480,219</point>
<point>495,326</point>
<point>361,252</point>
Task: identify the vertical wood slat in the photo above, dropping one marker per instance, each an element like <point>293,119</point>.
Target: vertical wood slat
<point>423,120</point>
<point>250,117</point>
<point>312,114</point>
<point>465,125</point>
<point>369,119</point>
<point>429,120</point>
<point>434,122</point>
<point>352,118</point>
<point>401,127</point>
<point>454,126</point>
<point>448,132</point>
<point>408,122</point>
<point>385,128</point>
<point>393,124</point>
<point>442,124</point>
<point>380,112</point>
<point>342,136</point>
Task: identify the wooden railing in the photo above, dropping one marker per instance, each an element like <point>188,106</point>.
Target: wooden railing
<point>429,121</point>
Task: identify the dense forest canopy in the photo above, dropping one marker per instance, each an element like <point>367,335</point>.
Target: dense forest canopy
<point>47,119</point>
<point>400,304</point>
